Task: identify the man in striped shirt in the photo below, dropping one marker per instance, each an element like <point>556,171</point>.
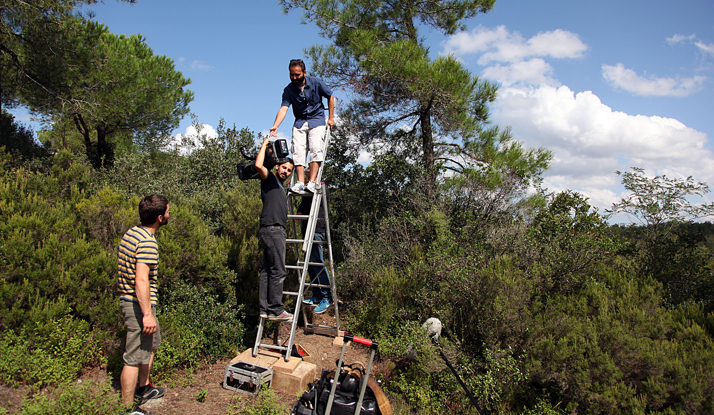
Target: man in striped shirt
<point>138,265</point>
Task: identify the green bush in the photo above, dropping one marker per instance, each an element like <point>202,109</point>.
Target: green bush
<point>267,403</point>
<point>51,354</point>
<point>196,327</point>
<point>48,264</point>
<point>190,253</point>
<point>542,317</point>
<point>85,398</point>
<point>614,350</point>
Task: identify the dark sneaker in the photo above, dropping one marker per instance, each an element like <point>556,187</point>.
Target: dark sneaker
<point>147,392</point>
<point>322,307</point>
<point>135,410</point>
<point>284,316</point>
<point>263,314</point>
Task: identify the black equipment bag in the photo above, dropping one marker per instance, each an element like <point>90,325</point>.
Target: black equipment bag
<point>314,400</point>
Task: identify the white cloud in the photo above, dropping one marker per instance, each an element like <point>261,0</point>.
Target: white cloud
<point>365,157</point>
<point>523,59</point>
<point>195,65</point>
<point>590,141</point>
<point>627,79</point>
<point>534,71</point>
<point>191,140</point>
<point>705,48</point>
<point>200,65</point>
<point>500,45</point>
<point>680,38</point>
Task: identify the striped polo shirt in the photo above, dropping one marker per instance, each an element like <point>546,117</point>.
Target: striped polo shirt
<point>137,245</point>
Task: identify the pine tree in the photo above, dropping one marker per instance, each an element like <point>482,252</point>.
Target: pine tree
<point>432,109</point>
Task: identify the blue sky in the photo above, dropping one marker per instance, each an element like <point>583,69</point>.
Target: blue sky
<point>606,85</point>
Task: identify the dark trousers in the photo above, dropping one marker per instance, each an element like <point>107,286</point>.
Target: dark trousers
<point>272,272</point>
<point>318,275</point>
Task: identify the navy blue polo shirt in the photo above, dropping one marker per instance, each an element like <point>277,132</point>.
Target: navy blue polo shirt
<point>307,107</point>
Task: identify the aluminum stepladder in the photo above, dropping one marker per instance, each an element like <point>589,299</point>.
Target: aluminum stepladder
<point>318,199</point>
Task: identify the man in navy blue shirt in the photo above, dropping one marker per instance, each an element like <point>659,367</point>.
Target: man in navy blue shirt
<point>305,94</point>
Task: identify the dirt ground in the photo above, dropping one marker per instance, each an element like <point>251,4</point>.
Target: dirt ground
<point>182,394</point>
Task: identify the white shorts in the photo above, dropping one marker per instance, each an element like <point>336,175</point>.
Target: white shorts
<point>306,138</point>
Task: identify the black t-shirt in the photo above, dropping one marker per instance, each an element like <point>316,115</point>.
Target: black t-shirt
<point>275,202</point>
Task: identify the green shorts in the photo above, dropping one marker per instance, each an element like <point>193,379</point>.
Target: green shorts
<point>138,346</point>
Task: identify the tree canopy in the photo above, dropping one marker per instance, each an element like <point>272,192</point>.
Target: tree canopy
<point>115,84</point>
<point>70,70</point>
<point>402,97</point>
<point>32,30</point>
<point>660,203</point>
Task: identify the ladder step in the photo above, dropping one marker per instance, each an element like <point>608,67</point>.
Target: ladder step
<point>329,331</point>
<point>290,293</point>
<point>301,217</point>
<point>300,264</point>
<point>299,241</point>
<point>272,346</point>
<point>307,284</point>
<point>319,326</point>
<point>299,267</point>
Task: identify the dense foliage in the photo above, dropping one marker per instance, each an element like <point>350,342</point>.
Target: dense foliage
<point>548,314</point>
<point>546,308</point>
<point>60,233</point>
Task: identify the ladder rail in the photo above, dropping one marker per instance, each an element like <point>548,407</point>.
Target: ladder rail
<point>307,250</point>
<point>333,277</point>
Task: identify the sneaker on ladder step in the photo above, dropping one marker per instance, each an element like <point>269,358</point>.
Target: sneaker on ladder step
<point>322,307</point>
<point>311,187</point>
<point>298,188</point>
<point>284,316</point>
<point>311,301</point>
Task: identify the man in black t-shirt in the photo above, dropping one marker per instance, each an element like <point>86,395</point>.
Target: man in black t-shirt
<point>273,220</point>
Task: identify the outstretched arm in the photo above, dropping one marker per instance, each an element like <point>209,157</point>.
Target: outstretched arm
<point>278,120</point>
<point>260,160</point>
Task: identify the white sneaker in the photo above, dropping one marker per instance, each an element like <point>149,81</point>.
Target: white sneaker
<point>311,187</point>
<point>298,188</point>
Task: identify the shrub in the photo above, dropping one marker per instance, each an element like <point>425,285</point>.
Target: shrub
<point>47,263</point>
<point>614,350</point>
<point>190,253</point>
<point>86,397</point>
<point>196,326</point>
<point>52,354</point>
<point>267,403</point>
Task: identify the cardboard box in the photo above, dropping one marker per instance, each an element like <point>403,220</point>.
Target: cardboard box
<point>292,383</point>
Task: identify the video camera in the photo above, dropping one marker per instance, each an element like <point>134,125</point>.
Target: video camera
<point>276,153</point>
